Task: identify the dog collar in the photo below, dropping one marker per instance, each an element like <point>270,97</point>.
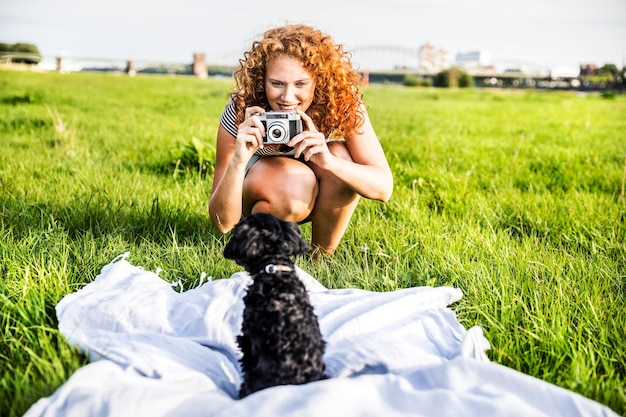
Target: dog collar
<point>272,269</point>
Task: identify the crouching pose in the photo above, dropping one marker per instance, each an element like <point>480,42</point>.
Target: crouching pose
<point>316,173</point>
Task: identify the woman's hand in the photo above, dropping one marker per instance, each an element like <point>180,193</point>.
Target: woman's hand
<point>249,135</point>
<point>311,144</point>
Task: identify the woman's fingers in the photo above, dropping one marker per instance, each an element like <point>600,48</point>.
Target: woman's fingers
<point>252,131</point>
<point>316,150</point>
<point>251,111</point>
<point>250,135</point>
<point>308,122</point>
<point>309,144</point>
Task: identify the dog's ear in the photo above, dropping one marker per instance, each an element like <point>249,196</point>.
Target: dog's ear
<point>242,244</point>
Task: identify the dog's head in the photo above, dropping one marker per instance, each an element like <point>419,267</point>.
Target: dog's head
<point>261,236</point>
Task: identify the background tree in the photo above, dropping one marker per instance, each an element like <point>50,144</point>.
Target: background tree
<point>609,72</point>
<point>25,53</point>
<point>411,80</point>
<point>453,77</point>
<point>607,76</point>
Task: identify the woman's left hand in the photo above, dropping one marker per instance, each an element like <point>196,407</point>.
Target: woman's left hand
<point>311,144</point>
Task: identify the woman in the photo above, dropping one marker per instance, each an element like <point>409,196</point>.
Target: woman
<point>321,173</point>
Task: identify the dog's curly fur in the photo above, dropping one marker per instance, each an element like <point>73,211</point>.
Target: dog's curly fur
<point>281,340</point>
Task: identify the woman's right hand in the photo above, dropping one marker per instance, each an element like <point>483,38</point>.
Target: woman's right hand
<point>250,134</point>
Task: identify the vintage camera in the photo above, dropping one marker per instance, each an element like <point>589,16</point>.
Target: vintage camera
<point>280,126</point>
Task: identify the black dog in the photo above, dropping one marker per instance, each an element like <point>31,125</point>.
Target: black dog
<point>281,340</point>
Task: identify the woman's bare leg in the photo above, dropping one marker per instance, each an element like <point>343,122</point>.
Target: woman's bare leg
<point>334,206</point>
<point>294,191</point>
<point>281,186</point>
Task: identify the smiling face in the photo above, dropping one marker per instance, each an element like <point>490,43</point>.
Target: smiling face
<point>288,85</point>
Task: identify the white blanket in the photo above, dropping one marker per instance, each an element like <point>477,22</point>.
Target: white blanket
<point>155,351</point>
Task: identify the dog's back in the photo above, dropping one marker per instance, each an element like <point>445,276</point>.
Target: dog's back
<point>281,340</point>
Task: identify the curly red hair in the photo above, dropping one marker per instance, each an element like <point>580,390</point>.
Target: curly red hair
<point>336,107</point>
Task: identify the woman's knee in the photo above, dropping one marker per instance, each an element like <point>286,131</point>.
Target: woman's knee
<point>280,186</point>
<point>339,149</point>
<point>334,187</point>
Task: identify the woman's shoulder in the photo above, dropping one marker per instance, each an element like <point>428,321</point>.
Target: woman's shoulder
<point>229,117</point>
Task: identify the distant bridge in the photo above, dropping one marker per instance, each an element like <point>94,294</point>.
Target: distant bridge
<point>366,57</point>
<point>389,57</point>
<point>374,57</point>
<point>385,57</point>
<point>12,56</point>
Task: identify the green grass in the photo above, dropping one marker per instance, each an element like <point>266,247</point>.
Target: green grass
<point>516,197</point>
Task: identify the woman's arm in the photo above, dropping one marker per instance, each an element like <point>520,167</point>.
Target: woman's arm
<point>231,157</point>
<point>226,192</point>
<point>368,174</point>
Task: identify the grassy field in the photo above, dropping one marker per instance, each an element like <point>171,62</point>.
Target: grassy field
<point>516,197</point>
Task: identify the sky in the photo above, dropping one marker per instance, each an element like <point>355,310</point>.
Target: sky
<point>541,33</point>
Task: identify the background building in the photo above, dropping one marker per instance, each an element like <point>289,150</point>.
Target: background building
<point>475,62</point>
<point>432,60</point>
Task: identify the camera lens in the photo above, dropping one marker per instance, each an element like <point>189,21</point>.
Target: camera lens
<point>276,133</point>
